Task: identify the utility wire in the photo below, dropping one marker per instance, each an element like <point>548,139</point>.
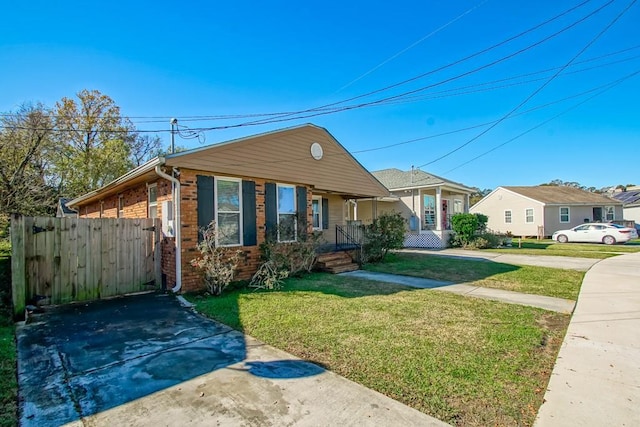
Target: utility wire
<point>414,44</point>
<point>539,89</point>
<point>573,107</point>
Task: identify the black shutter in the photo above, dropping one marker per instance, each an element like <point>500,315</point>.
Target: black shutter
<point>325,214</point>
<point>270,210</point>
<point>301,195</point>
<point>205,202</point>
<point>249,235</point>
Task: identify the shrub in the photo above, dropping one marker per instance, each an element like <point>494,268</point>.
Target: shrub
<point>218,264</point>
<point>385,233</point>
<point>466,226</point>
<point>282,260</point>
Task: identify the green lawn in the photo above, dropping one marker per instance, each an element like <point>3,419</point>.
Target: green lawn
<point>8,382</point>
<point>466,361</point>
<point>580,250</point>
<point>527,279</point>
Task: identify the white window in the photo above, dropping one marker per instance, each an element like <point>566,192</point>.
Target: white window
<point>507,217</point>
<point>609,213</point>
<point>429,221</point>
<point>564,214</point>
<point>316,208</point>
<point>152,195</point>
<point>287,223</point>
<point>457,206</point>
<point>120,206</point>
<point>228,208</point>
<point>528,214</point>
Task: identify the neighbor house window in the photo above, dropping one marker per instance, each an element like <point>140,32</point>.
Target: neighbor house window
<point>564,214</point>
<point>609,213</point>
<point>286,213</point>
<point>429,211</point>
<point>457,206</point>
<point>316,209</point>
<point>120,206</point>
<point>507,217</point>
<point>152,194</point>
<point>228,207</point>
<point>528,214</point>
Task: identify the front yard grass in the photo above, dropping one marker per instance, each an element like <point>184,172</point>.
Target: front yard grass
<point>551,282</point>
<point>463,360</point>
<point>579,250</point>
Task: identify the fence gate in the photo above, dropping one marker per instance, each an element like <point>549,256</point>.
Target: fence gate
<point>59,260</point>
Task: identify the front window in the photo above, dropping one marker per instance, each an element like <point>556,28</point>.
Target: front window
<point>152,194</point>
<point>507,217</point>
<point>429,211</point>
<point>286,213</point>
<point>528,216</point>
<point>316,208</point>
<point>564,214</point>
<point>457,206</point>
<point>228,199</point>
<point>609,213</point>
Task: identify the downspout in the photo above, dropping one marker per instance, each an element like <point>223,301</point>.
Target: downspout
<point>175,195</point>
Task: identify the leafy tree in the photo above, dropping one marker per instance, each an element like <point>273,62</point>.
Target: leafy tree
<point>385,233</point>
<point>477,195</point>
<point>97,143</point>
<point>26,145</point>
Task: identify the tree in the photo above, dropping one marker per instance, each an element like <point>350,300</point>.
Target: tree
<point>477,195</point>
<point>26,145</point>
<point>97,143</point>
<point>144,148</point>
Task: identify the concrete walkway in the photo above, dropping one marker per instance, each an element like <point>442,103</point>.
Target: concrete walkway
<point>559,305</point>
<point>596,379</point>
<point>563,262</point>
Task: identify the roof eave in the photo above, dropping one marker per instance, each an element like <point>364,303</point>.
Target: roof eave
<point>132,174</point>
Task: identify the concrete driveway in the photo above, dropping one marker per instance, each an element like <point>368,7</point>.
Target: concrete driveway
<point>146,360</point>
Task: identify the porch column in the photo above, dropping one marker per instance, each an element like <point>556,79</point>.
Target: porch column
<point>355,209</point>
<point>466,204</point>
<point>438,208</point>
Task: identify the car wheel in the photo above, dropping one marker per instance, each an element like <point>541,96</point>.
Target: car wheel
<point>562,239</point>
<point>609,240</point>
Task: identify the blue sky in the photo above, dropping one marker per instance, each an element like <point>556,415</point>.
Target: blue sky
<point>160,59</point>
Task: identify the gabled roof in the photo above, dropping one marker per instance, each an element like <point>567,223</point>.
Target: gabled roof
<point>283,155</point>
<point>628,197</point>
<point>562,195</point>
<point>395,179</point>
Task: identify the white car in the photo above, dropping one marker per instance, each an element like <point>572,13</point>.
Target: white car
<point>609,234</point>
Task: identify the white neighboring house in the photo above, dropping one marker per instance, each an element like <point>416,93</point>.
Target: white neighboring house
<point>631,203</point>
<point>425,200</point>
<point>542,210</point>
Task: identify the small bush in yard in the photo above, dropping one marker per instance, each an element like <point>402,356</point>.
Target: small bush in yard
<point>385,233</point>
<point>285,259</point>
<point>218,264</point>
<point>471,232</point>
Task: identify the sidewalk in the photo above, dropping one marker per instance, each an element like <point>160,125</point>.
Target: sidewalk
<point>596,379</point>
<point>566,263</point>
<point>559,305</point>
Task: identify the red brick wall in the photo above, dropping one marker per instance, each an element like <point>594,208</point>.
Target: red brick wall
<point>136,206</point>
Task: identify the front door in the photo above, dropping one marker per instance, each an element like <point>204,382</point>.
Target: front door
<point>445,216</point>
<point>597,214</point>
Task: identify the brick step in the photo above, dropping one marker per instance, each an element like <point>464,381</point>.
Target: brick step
<point>335,263</point>
<point>343,268</point>
<point>332,256</point>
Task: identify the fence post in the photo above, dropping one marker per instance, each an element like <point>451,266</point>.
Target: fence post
<point>18,273</point>
<point>157,253</point>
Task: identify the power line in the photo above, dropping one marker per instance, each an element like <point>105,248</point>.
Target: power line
<point>573,107</point>
<point>539,89</point>
<point>414,44</point>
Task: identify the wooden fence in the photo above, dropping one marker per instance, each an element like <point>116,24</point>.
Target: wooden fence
<point>59,260</point>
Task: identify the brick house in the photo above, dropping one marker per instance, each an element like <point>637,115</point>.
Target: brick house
<point>274,182</point>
